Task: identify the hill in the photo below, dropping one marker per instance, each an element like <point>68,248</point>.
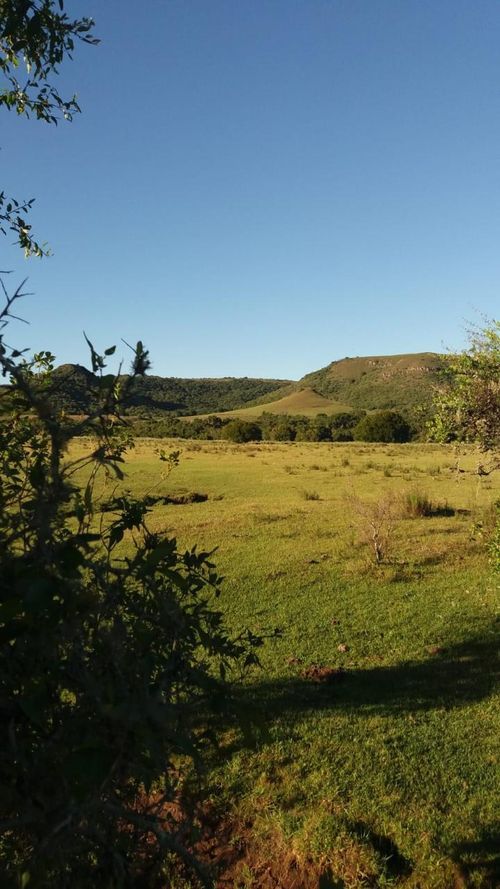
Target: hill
<point>404,383</point>
<point>154,396</point>
<point>303,401</point>
<point>401,382</point>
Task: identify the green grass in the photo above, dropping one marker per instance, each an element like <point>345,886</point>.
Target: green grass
<point>304,402</point>
<point>389,775</point>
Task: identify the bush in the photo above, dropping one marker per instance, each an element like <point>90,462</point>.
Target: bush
<point>111,657</point>
<point>282,431</point>
<point>375,524</point>
<point>417,505</point>
<point>242,432</point>
<point>382,426</point>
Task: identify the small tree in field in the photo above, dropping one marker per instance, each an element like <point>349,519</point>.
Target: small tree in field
<point>112,649</point>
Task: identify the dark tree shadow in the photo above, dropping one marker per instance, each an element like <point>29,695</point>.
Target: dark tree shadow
<point>454,676</point>
<point>396,865</point>
<point>482,856</point>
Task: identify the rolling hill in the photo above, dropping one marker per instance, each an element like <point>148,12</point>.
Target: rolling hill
<point>400,382</point>
<point>155,396</point>
<point>303,401</point>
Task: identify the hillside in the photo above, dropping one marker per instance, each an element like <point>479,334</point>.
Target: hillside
<point>402,382</point>
<point>303,401</point>
<point>153,395</point>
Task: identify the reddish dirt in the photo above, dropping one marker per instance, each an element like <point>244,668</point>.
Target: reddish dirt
<point>232,854</point>
<point>320,673</point>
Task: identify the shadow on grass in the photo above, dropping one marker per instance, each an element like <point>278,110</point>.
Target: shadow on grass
<point>481,858</point>
<point>454,676</point>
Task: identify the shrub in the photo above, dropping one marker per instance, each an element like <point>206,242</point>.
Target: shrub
<point>111,658</point>
<point>282,431</point>
<point>241,432</point>
<point>383,426</point>
<point>375,524</point>
<point>416,504</point>
<point>341,435</point>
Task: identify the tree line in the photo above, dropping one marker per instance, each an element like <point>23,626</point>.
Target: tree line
<point>383,426</point>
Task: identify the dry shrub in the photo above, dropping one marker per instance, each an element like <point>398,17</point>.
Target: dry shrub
<point>310,495</point>
<point>375,522</point>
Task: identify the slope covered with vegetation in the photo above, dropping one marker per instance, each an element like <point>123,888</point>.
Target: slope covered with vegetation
<point>405,383</point>
<point>301,401</point>
<point>154,395</point>
<point>402,382</point>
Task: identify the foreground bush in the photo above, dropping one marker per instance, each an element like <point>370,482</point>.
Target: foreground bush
<point>112,652</point>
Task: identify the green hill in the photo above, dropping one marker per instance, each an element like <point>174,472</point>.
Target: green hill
<point>400,382</point>
<point>304,402</point>
<point>154,396</point>
<point>404,383</point>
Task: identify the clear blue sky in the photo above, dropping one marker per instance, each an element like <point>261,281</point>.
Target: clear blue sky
<point>259,187</point>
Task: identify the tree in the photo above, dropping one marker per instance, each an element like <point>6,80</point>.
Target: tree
<point>242,432</point>
<point>383,426</point>
<point>36,36</point>
<point>467,406</point>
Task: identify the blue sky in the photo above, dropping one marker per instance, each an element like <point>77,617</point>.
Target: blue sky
<point>259,187</point>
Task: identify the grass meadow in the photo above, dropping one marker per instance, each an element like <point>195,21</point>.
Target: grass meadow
<point>305,402</point>
<point>374,746</point>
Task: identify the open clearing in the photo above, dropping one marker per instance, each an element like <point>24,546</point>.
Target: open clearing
<point>386,775</point>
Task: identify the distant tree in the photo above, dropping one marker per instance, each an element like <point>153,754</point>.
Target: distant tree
<point>241,432</point>
<point>383,426</point>
<point>342,435</point>
<point>283,430</point>
<point>321,430</point>
<point>346,419</point>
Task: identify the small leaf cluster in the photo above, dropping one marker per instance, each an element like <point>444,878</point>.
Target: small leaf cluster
<point>36,36</point>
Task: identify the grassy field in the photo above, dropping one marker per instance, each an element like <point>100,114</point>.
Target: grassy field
<point>385,774</point>
<point>305,402</point>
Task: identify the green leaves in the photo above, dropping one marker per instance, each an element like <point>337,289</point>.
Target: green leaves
<point>112,654</point>
<point>467,406</point>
